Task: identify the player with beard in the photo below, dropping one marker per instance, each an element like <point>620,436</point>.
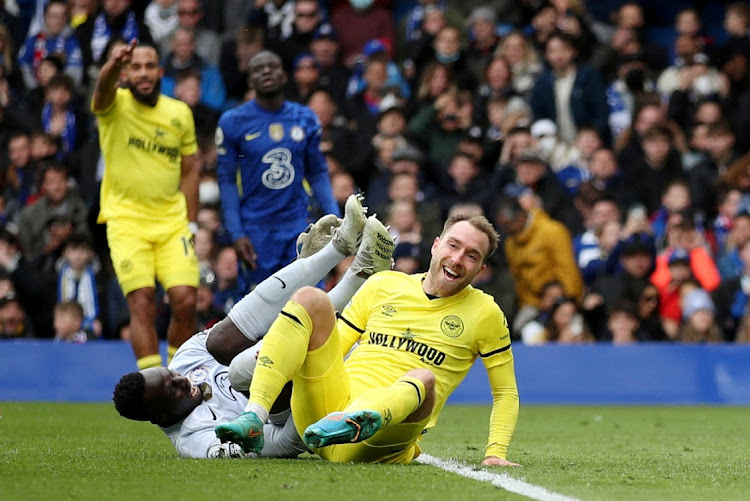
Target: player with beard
<point>275,146</point>
<point>416,338</point>
<point>149,195</point>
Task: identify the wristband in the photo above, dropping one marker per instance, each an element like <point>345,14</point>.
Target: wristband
<point>193,227</point>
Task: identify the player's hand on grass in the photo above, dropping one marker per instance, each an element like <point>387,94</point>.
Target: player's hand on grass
<point>496,461</point>
<point>246,252</point>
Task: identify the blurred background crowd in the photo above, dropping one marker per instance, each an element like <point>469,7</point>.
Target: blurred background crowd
<point>607,141</point>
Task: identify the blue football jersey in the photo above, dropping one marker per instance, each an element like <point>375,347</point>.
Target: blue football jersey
<point>274,152</point>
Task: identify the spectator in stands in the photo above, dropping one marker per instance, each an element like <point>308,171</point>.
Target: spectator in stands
<point>114,20</point>
<point>552,258</point>
<point>622,324</point>
<point>569,93</point>
<point>463,182</point>
<point>229,286</point>
<point>362,108</point>
<point>483,39</point>
<point>77,281</point>
<point>635,260</point>
<point>591,248</point>
<point>436,79</point>
<point>56,37</point>
<point>691,75</point>
<point>184,57</point>
<point>419,47</point>
<point>650,324</point>
<point>661,165</point>
<point>523,59</point>
<point>188,90</point>
<point>342,186</point>
<point>729,263</point>
<point>440,127</point>
<point>335,136</point>
<point>69,323</point>
<point>14,320</point>
<point>737,26</point>
<point>733,295</point>
<point>533,175</point>
<point>44,226</point>
<point>60,118</point>
<point>276,17</point>
<point>191,14</point>
<point>333,75</point>
<point>675,202</point>
<point>235,61</point>
<point>684,258</point>
<point>358,21</point>
<point>699,322</point>
<point>305,78</point>
<point>21,179</point>
<point>565,324</point>
<point>703,176</point>
<point>161,18</point>
<point>307,18</point>
<point>634,77</point>
<point>207,314</point>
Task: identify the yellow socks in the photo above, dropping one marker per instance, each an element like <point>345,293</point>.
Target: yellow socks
<point>283,353</point>
<point>394,403</point>
<point>149,361</point>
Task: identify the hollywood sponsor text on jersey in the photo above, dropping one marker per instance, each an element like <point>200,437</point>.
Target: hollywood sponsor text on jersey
<point>406,342</point>
<point>153,147</point>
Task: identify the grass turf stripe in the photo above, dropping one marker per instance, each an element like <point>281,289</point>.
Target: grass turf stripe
<point>502,480</point>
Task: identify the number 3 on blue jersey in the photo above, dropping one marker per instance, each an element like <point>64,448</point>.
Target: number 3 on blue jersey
<point>280,172</point>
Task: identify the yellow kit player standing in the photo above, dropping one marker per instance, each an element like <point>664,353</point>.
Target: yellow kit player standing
<point>149,195</point>
<point>418,337</point>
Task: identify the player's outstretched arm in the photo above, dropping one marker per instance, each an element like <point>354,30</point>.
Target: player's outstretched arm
<point>106,83</point>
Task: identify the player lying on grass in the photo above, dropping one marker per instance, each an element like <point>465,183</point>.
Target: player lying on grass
<point>198,390</point>
<point>418,337</point>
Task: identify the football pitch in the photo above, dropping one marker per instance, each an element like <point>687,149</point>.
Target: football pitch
<point>86,451</point>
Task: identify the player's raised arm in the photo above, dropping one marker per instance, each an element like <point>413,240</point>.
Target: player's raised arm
<point>106,83</point>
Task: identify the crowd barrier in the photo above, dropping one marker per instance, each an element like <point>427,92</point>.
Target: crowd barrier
<point>650,374</point>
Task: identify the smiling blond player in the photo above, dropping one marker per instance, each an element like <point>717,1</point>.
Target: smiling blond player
<point>418,337</point>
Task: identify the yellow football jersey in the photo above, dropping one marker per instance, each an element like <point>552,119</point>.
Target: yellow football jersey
<point>143,148</point>
<point>399,328</point>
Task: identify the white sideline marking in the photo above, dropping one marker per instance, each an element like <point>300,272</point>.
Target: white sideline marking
<point>502,480</point>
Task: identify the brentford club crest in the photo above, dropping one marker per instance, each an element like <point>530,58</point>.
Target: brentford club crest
<point>276,131</point>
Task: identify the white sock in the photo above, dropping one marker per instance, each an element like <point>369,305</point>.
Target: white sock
<point>345,289</point>
<point>258,410</point>
<point>254,313</point>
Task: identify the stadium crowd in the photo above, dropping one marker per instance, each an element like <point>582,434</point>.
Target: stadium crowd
<point>608,141</point>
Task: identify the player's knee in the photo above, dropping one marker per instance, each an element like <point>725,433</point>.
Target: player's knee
<point>183,303</point>
<point>426,376</point>
<point>142,303</point>
<point>314,301</point>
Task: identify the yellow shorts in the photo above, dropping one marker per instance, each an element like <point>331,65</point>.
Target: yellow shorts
<point>142,250</point>
<point>322,386</point>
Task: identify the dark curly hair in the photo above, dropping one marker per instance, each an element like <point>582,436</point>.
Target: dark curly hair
<point>128,396</point>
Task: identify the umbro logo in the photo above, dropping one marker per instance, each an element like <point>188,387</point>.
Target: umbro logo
<point>250,137</point>
<point>389,310</point>
<point>265,361</point>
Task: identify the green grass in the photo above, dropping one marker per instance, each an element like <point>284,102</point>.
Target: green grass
<point>86,451</point>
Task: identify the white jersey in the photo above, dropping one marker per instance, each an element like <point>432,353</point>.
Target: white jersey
<point>194,436</point>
